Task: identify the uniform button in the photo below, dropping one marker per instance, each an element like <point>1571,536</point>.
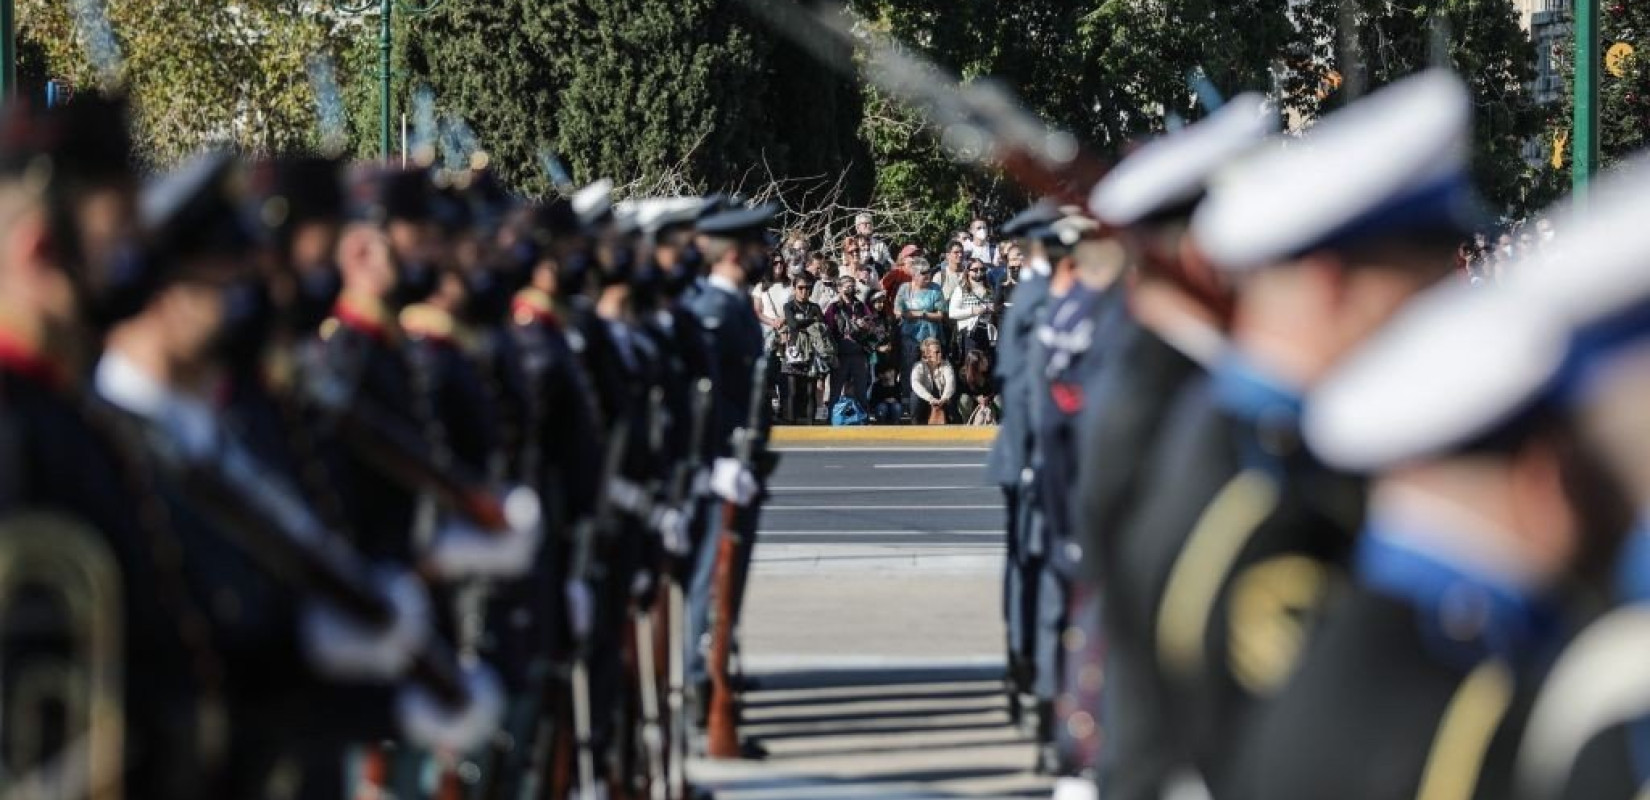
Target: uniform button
<point>1080,725</point>
<point>1464,612</point>
<point>1074,639</point>
<point>1091,678</point>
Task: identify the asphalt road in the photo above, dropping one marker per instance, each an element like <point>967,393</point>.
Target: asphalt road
<point>873,633</point>
<point>865,495</point>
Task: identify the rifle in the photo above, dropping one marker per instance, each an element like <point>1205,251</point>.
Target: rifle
<point>270,521</point>
<point>722,726</point>
<point>646,662</point>
<point>579,571</point>
<point>404,455</point>
<point>682,485</point>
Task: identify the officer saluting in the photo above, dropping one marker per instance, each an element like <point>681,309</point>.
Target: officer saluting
<point>1174,334</point>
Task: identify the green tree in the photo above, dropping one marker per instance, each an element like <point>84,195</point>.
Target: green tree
<point>232,72</point>
<point>1348,45</point>
<point>1624,93</point>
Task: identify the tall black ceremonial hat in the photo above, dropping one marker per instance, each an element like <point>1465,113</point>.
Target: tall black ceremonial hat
<point>380,193</point>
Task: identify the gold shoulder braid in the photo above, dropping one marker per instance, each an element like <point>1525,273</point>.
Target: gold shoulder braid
<point>1469,723</point>
<point>1194,583</point>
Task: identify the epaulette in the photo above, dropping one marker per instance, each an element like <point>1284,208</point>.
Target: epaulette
<point>29,362</point>
<point>532,305</point>
<point>371,320</point>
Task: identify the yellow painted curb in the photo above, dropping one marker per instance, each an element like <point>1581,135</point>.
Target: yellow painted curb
<point>973,435</point>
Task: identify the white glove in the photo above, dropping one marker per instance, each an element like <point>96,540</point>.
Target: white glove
<point>672,527</point>
<point>581,607</point>
<point>432,725</point>
<point>733,483</point>
<point>340,646</point>
<point>461,550</point>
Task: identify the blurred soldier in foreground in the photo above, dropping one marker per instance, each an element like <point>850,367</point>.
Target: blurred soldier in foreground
<point>72,266</point>
<point>1491,525</point>
<point>1314,281</point>
<point>1072,343</point>
<point>1174,335</point>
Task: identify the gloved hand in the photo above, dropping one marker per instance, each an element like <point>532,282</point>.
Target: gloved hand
<point>671,524</point>
<point>339,645</point>
<point>581,606</point>
<point>431,724</point>
<point>461,550</point>
<point>733,483</point>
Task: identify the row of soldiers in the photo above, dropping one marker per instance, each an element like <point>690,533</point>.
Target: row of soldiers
<point>1295,514</point>
<point>320,479</point>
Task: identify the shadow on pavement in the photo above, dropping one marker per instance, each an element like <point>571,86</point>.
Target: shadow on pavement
<point>931,732</point>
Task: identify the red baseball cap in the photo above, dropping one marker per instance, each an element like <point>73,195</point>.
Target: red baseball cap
<point>908,251</point>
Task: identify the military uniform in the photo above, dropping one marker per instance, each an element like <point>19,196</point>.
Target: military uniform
<point>1009,464</point>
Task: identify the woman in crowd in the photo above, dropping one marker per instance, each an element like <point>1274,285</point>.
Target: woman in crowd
<point>974,311</point>
<point>977,397</point>
<point>806,354</point>
<point>884,333</point>
<point>921,309</point>
<point>934,382</point>
<point>769,296</point>
<point>852,324</point>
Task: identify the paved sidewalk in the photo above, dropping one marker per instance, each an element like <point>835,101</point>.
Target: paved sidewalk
<point>933,731</point>
<point>877,673</point>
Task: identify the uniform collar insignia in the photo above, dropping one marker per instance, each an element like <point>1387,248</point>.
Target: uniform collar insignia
<point>365,315</point>
<point>22,358</point>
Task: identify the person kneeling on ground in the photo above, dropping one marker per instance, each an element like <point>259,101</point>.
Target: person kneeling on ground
<point>935,383</point>
<point>977,401</point>
<point>886,405</point>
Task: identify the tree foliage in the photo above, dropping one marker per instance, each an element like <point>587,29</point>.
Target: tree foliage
<point>1624,91</point>
<point>221,72</point>
<point>1350,46</point>
<point>700,95</point>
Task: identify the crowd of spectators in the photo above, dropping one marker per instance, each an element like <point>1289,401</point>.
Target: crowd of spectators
<point>1486,259</point>
<point>858,332</point>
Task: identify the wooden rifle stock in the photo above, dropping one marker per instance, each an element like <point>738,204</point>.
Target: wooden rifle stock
<point>722,720</point>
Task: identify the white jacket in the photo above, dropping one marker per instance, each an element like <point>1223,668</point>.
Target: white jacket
<point>934,385</point>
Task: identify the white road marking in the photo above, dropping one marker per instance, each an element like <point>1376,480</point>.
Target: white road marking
<point>998,507</point>
<point>899,532</point>
<point>929,466</point>
<point>917,449</point>
<point>811,489</point>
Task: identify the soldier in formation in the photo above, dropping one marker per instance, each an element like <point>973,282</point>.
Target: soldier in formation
<point>319,479</point>
<point>1341,526</point>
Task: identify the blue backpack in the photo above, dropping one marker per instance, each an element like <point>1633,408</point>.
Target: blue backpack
<point>848,411</point>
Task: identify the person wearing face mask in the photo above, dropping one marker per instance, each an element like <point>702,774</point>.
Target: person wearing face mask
<point>851,322</point>
<point>733,240</point>
<point>363,345</point>
<point>73,263</point>
<point>980,244</point>
<point>447,343</point>
<point>164,370</point>
<point>1009,466</point>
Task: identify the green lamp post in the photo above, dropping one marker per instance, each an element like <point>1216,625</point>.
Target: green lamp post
<point>1584,142</point>
<point>8,48</point>
<point>386,13</point>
